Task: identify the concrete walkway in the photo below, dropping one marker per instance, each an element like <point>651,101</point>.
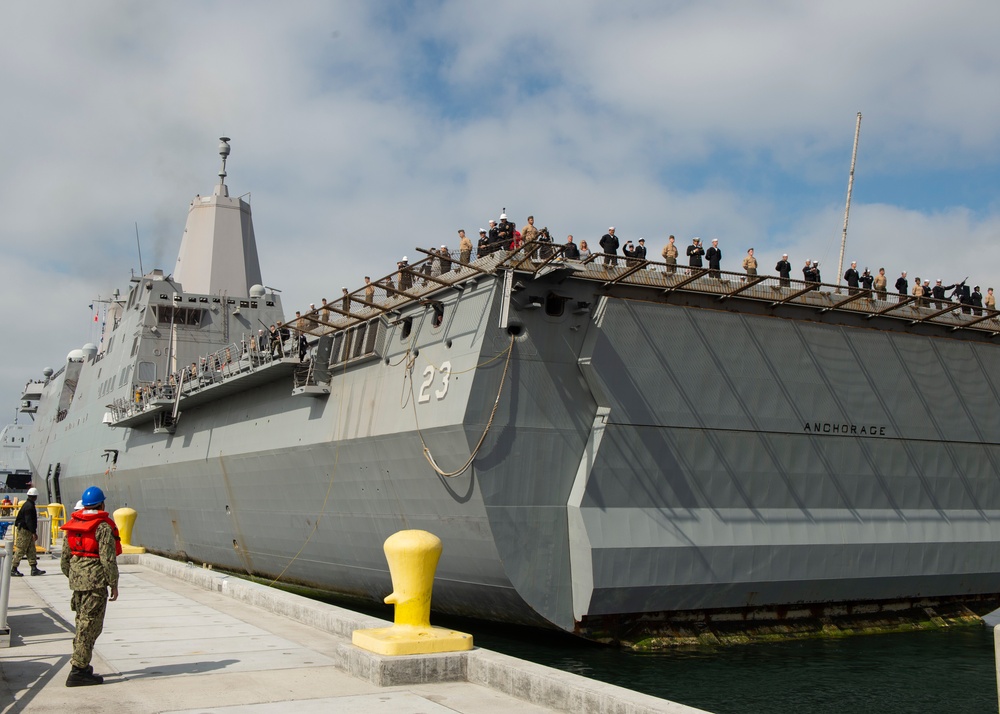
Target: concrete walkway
<point>185,639</point>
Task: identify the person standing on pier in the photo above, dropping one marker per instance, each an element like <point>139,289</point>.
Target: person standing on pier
<point>90,561</point>
<point>26,535</point>
<point>750,264</point>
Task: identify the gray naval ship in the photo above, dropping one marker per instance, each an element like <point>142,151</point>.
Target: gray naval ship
<point>623,449</point>
<point>15,471</point>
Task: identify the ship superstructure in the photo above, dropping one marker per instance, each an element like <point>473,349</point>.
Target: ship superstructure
<point>594,443</point>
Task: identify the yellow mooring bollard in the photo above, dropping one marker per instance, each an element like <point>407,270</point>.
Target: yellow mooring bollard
<point>125,520</point>
<point>413,558</point>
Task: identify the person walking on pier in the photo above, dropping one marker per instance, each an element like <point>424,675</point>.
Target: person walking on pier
<point>90,561</point>
<point>26,535</point>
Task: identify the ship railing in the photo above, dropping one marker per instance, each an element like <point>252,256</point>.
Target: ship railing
<point>387,295</point>
<point>776,291</point>
<point>221,364</point>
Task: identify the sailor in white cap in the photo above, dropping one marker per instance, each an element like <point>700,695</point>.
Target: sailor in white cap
<point>784,270</point>
<point>694,253</point>
<point>609,246</point>
<point>852,277</point>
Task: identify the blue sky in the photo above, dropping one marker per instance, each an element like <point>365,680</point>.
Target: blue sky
<point>363,129</point>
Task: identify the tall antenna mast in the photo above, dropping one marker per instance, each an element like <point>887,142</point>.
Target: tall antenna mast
<point>847,209</point>
<point>137,245</point>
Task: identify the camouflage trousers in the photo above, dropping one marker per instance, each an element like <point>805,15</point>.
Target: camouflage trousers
<point>89,606</point>
<point>24,547</point>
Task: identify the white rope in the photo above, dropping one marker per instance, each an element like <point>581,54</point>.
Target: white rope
<point>427,452</point>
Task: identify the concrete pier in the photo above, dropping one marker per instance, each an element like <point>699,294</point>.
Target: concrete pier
<point>181,638</point>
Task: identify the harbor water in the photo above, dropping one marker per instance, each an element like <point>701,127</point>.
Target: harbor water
<point>946,671</point>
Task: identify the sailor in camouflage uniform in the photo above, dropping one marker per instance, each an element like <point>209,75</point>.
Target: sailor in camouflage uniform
<point>25,535</point>
<point>89,560</point>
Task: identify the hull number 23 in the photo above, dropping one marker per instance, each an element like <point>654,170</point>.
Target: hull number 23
<point>425,388</point>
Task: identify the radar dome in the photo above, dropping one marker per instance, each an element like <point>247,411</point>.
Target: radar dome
<point>90,349</point>
<point>48,372</point>
<point>75,356</point>
<point>257,291</point>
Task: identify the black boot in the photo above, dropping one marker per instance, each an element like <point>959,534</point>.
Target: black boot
<point>83,677</point>
<point>14,573</point>
<point>36,571</point>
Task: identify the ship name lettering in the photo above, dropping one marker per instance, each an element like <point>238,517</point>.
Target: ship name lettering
<point>823,427</point>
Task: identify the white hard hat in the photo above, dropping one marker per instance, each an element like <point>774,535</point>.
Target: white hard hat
<point>32,491</point>
<point>78,506</point>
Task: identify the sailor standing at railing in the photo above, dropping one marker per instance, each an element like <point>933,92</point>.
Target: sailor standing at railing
<point>670,255</point>
<point>609,246</point>
<point>784,269</point>
<point>714,257</point>
<point>852,277</point>
<point>750,263</point>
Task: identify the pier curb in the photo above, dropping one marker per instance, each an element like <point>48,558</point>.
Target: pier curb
<point>517,678</point>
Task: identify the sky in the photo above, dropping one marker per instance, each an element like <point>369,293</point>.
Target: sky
<point>360,130</point>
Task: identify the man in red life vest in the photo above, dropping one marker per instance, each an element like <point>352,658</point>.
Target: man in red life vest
<point>89,560</point>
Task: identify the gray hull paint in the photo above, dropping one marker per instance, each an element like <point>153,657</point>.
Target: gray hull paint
<point>704,491</point>
<point>709,492</point>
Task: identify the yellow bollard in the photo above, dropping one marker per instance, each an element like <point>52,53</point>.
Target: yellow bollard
<point>125,520</point>
<point>57,516</point>
<point>413,558</point>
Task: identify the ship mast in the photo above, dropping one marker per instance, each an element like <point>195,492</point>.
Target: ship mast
<point>847,209</point>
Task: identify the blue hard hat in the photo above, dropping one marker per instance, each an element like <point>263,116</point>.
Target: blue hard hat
<point>92,497</point>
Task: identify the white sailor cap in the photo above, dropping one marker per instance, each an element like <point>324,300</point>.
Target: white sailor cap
<point>482,230</point>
